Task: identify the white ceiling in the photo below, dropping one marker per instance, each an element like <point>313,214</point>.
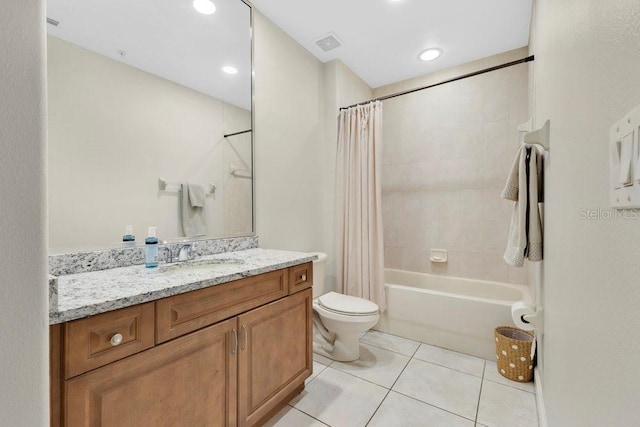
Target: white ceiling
<point>382,38</point>
<point>167,38</point>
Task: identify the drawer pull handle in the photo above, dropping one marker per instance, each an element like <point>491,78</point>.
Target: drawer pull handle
<point>304,277</point>
<point>244,332</point>
<point>235,341</point>
<point>116,340</point>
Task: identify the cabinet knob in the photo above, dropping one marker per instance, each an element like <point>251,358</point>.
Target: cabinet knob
<point>116,340</point>
<point>304,277</point>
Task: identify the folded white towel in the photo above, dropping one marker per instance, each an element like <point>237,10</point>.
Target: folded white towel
<point>192,217</point>
<point>525,186</point>
<point>196,195</point>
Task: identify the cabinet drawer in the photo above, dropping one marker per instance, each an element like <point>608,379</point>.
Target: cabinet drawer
<point>102,339</point>
<point>181,314</point>
<point>300,277</point>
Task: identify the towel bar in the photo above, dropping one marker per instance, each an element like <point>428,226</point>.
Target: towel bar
<point>162,186</point>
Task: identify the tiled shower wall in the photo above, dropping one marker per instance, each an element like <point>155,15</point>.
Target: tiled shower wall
<point>447,152</point>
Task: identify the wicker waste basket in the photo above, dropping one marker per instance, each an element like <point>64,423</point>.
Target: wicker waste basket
<point>513,353</point>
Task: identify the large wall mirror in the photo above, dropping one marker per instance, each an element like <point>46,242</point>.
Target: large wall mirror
<point>140,97</point>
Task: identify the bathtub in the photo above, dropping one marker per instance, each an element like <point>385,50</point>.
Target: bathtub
<point>450,312</point>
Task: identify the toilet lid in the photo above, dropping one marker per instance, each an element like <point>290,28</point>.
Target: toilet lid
<point>346,304</point>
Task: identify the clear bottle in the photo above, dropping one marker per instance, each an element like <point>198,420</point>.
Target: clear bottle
<point>151,246</point>
<point>128,238</point>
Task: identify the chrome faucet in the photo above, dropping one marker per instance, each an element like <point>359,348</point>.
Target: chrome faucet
<point>169,258</point>
<point>184,253</point>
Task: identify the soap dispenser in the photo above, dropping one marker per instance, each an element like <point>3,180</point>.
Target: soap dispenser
<point>151,246</point>
<point>128,238</point>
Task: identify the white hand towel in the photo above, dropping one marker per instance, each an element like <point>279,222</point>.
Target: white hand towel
<point>525,186</point>
<point>196,195</point>
<point>192,217</point>
<point>512,187</point>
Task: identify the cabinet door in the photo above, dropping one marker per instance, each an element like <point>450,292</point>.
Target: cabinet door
<point>190,381</point>
<point>275,355</point>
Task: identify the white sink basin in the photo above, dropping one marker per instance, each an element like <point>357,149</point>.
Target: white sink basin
<point>199,266</point>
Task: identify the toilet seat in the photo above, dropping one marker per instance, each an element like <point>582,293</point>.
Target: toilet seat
<point>347,305</point>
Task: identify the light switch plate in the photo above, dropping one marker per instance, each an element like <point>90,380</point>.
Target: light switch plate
<point>624,161</point>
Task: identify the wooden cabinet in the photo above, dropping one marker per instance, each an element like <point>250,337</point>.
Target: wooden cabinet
<point>99,340</point>
<point>274,355</point>
<point>181,314</point>
<point>228,355</point>
<point>300,277</point>
<point>190,381</point>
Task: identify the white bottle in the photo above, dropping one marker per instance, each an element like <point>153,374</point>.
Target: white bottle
<point>151,246</point>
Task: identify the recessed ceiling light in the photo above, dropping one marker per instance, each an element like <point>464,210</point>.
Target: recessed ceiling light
<point>206,7</point>
<point>430,54</point>
<point>230,70</point>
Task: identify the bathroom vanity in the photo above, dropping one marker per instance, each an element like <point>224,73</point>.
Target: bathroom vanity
<point>232,352</point>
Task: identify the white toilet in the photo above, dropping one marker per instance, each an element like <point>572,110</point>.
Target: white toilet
<point>338,320</point>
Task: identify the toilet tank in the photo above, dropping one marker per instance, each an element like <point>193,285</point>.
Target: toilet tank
<point>319,282</point>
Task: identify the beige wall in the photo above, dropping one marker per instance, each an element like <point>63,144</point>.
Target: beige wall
<point>297,99</point>
<point>288,141</point>
<point>342,87</point>
<point>24,373</point>
<point>586,79</point>
<point>446,154</point>
<point>114,130</point>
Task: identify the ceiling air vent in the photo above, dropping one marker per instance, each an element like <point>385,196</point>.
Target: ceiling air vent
<point>53,22</point>
<point>328,42</point>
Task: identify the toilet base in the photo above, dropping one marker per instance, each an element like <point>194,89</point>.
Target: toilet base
<point>346,348</point>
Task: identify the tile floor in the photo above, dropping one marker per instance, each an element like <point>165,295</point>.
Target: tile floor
<point>400,382</point>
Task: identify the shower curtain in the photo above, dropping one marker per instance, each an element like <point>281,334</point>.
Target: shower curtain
<point>360,252</point>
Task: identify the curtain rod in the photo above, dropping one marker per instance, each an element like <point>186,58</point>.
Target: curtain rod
<point>455,79</point>
<point>237,133</point>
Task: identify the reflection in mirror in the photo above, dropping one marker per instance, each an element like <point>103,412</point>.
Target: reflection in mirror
<point>140,91</point>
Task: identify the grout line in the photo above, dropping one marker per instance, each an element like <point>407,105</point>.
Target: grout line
<point>420,343</point>
<point>388,349</point>
<point>310,416</point>
<point>416,351</point>
<point>401,372</point>
<point>316,375</point>
<point>390,388</point>
<point>432,405</point>
<point>376,411</point>
<point>412,357</point>
<point>355,376</point>
<point>323,363</point>
<point>416,399</point>
<point>480,394</point>
<point>360,378</point>
<point>512,386</point>
<point>453,369</point>
<point>385,349</point>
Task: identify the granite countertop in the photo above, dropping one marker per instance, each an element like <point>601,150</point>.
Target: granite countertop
<point>85,294</point>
